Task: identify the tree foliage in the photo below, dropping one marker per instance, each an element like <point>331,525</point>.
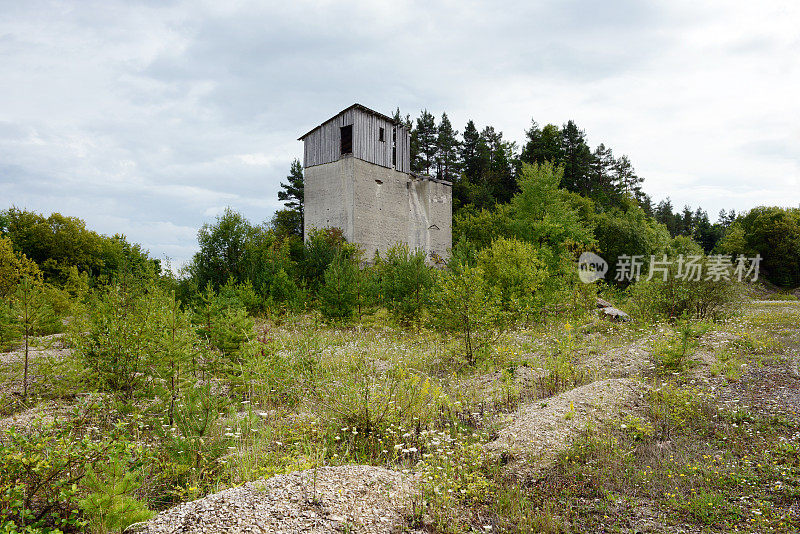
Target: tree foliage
<point>514,269</point>
<point>338,295</point>
<point>57,243</point>
<point>465,304</point>
<point>292,195</point>
<point>405,281</point>
<point>774,234</point>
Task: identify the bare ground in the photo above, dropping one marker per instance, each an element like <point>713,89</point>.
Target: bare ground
<point>353,498</point>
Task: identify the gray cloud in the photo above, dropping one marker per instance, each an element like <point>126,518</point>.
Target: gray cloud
<point>149,118</point>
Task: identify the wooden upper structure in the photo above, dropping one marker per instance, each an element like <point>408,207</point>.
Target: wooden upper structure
<point>362,133</point>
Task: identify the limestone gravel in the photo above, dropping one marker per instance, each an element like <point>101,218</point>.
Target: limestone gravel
<point>353,498</point>
<point>537,432</point>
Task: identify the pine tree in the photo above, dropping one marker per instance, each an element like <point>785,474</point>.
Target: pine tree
<point>626,179</point>
<point>530,151</point>
<point>447,156</point>
<point>498,163</point>
<point>292,193</point>
<point>577,159</point>
<point>424,135</point>
<point>469,152</point>
<point>665,215</point>
<point>32,310</point>
<point>604,186</point>
<point>688,221</point>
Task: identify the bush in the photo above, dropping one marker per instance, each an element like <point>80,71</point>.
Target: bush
<point>239,295</point>
<point>376,403</point>
<point>338,295</point>
<point>223,321</point>
<point>405,281</point>
<point>319,251</point>
<point>138,332</point>
<point>515,270</point>
<point>466,305</point>
<point>123,336</point>
<point>774,233</point>
<point>110,505</point>
<point>9,331</point>
<point>629,232</point>
<point>283,291</point>
<point>706,298</point>
<point>39,476</point>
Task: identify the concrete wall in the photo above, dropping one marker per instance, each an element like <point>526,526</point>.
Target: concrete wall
<point>377,207</point>
<point>328,197</point>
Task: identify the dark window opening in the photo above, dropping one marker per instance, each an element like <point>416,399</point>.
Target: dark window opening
<point>381,134</point>
<point>394,147</point>
<point>347,139</point>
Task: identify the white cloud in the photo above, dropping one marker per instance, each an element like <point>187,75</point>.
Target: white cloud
<point>148,118</point>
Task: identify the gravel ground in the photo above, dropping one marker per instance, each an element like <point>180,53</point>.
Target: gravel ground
<point>35,417</point>
<point>630,360</point>
<point>766,390</point>
<point>540,430</point>
<point>353,498</point>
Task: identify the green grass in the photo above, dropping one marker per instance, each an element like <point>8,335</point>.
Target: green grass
<point>306,394</point>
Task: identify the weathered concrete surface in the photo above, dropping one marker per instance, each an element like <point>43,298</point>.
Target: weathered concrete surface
<point>377,207</point>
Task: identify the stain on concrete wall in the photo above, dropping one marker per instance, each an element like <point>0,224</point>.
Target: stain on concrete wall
<point>377,207</point>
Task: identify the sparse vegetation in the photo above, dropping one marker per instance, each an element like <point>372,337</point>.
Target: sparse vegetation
<point>273,356</point>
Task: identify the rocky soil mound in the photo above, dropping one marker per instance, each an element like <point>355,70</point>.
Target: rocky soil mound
<point>540,430</point>
<point>353,498</point>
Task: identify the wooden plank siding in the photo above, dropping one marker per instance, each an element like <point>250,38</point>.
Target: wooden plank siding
<point>323,144</point>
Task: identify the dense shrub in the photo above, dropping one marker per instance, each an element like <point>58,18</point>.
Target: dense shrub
<point>774,233</point>
<point>321,248</point>
<point>514,269</point>
<point>338,296</point>
<point>630,232</point>
<point>405,281</point>
<point>674,297</point>
<point>39,475</point>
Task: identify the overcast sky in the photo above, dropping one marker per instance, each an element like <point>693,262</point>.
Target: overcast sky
<point>148,118</point>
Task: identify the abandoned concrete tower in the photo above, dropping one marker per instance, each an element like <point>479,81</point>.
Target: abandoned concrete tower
<point>358,178</point>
